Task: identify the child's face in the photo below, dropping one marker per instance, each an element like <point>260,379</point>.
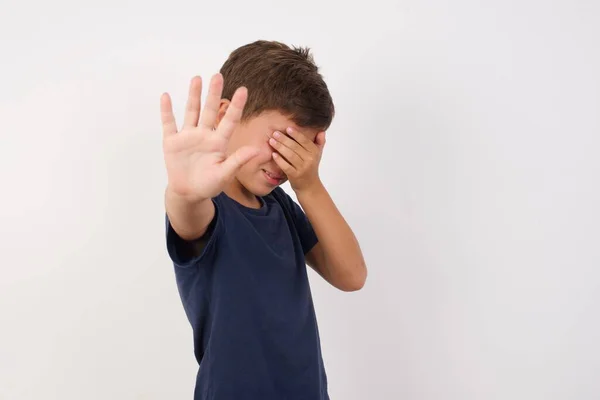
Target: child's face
<point>261,175</point>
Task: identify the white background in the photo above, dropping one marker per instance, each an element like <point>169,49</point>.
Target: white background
<point>465,155</point>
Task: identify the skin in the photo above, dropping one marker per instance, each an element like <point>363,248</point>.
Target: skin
<point>216,152</point>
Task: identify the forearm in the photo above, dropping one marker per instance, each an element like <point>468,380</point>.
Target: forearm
<point>342,257</point>
<point>189,219</point>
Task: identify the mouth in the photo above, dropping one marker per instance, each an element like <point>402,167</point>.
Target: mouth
<point>272,178</point>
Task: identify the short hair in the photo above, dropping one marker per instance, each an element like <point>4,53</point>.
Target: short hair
<point>279,78</point>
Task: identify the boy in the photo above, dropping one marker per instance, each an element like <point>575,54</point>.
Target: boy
<point>238,242</point>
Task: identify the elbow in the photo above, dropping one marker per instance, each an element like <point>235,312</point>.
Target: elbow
<point>355,282</point>
<point>352,287</point>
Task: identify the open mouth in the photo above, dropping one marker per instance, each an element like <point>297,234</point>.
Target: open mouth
<point>273,178</point>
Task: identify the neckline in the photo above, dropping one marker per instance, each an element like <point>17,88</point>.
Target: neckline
<point>258,211</point>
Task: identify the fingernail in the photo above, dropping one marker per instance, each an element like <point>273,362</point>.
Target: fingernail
<point>289,130</point>
<point>272,141</point>
<point>276,134</point>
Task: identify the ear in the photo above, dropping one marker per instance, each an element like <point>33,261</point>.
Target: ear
<point>320,140</point>
<point>223,106</point>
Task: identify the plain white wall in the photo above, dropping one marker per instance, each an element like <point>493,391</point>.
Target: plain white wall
<point>465,155</point>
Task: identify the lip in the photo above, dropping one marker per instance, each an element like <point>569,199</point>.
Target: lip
<point>272,179</point>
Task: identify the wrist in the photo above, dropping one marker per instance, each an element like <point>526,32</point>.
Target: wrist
<point>183,197</point>
<point>310,190</point>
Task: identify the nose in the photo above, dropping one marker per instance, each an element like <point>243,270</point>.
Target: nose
<point>275,168</point>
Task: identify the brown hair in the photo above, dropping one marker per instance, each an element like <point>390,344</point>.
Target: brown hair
<point>279,78</point>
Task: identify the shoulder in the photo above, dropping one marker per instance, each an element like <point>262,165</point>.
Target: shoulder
<point>187,253</point>
<point>281,197</point>
<point>298,219</point>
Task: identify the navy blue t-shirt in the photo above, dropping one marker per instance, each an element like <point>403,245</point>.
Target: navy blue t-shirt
<point>248,299</point>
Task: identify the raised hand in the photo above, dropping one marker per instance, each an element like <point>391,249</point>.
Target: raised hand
<point>298,157</point>
<point>198,166</point>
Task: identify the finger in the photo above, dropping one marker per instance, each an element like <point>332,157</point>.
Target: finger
<point>285,166</point>
<point>192,109</point>
<point>300,138</point>
<point>320,140</point>
<point>236,160</point>
<point>290,143</point>
<point>234,112</point>
<point>290,155</point>
<point>213,102</point>
<point>169,126</point>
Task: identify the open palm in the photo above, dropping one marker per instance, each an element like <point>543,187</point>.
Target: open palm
<point>198,166</point>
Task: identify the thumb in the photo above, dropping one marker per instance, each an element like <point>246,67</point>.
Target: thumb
<point>236,160</point>
<point>320,140</point>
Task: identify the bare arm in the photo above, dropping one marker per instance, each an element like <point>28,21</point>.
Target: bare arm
<point>189,218</point>
<point>337,256</point>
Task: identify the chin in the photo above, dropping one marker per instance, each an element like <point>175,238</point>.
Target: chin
<point>262,190</point>
<point>260,187</point>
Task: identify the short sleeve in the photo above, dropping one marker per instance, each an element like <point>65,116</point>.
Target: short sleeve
<point>308,237</point>
<point>185,253</point>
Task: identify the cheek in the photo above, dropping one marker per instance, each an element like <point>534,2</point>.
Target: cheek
<point>260,160</point>
<point>259,141</point>
<point>265,153</point>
